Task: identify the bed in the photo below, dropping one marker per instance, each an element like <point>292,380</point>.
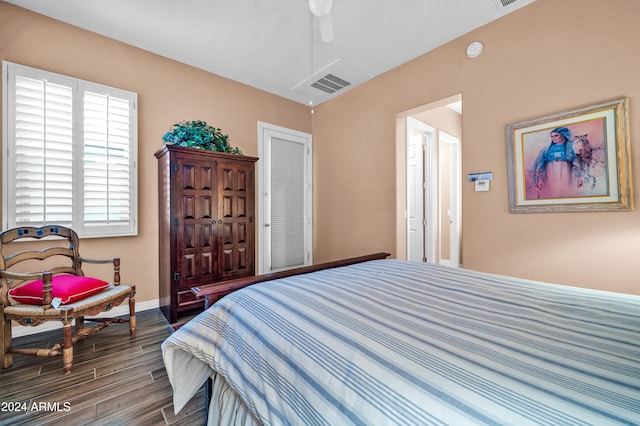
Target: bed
<point>392,342</point>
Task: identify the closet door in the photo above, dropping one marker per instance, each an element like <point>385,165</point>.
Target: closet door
<point>196,220</point>
<point>236,218</point>
<point>285,188</point>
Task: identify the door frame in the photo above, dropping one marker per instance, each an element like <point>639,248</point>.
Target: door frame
<point>266,132</point>
<point>455,196</point>
<point>401,167</point>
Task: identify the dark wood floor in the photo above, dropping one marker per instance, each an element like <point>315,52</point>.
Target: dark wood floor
<point>116,380</point>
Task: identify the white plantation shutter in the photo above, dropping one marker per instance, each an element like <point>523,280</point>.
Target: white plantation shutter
<point>106,159</point>
<point>43,147</point>
<point>71,154</point>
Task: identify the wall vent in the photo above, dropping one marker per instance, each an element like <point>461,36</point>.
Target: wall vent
<point>330,83</point>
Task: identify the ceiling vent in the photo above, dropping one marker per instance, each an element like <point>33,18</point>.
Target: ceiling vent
<point>502,4</point>
<point>330,83</point>
<point>332,80</point>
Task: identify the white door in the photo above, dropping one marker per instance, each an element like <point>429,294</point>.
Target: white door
<point>285,199</point>
<point>415,199</point>
<point>421,216</point>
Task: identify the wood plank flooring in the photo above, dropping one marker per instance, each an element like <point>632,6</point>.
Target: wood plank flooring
<point>116,380</point>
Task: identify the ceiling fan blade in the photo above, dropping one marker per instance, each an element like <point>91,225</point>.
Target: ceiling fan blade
<point>321,9</point>
<point>326,28</point>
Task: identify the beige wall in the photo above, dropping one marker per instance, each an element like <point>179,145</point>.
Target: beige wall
<point>168,92</point>
<point>548,57</point>
<point>545,58</point>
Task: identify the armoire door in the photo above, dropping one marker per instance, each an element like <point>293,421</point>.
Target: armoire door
<point>236,223</point>
<point>196,221</point>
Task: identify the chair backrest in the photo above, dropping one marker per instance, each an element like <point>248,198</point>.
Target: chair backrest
<point>60,257</point>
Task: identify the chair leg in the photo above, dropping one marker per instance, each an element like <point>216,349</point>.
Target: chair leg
<point>67,346</point>
<point>132,314</point>
<point>79,324</point>
<point>6,357</point>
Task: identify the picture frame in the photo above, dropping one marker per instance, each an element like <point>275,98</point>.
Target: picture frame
<point>572,161</point>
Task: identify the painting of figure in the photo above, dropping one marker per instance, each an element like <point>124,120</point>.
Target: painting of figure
<point>566,161</point>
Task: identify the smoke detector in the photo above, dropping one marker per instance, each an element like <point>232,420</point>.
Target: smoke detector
<point>474,49</point>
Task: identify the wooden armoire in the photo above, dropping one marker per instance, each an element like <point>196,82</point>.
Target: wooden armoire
<point>207,223</point>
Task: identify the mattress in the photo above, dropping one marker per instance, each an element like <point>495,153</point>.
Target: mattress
<point>392,342</point>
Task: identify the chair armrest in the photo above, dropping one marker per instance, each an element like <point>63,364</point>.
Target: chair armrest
<point>46,278</point>
<point>114,260</point>
<point>89,260</point>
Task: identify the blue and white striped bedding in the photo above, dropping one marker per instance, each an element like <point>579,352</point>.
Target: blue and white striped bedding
<point>393,342</point>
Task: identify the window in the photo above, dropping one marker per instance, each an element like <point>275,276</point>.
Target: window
<point>70,153</point>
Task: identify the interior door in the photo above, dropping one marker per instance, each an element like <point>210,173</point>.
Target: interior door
<point>421,215</point>
<point>284,186</point>
<point>415,199</point>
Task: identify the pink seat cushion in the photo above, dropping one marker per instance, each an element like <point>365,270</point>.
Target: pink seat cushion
<point>69,288</point>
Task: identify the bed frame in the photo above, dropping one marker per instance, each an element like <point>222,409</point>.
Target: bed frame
<point>212,292</point>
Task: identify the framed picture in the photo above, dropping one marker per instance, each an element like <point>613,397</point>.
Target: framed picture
<point>571,161</point>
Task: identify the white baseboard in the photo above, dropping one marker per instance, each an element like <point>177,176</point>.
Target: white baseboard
<point>120,310</point>
<point>446,262</point>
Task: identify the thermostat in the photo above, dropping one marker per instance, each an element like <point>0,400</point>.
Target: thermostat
<point>482,185</point>
<point>473,177</point>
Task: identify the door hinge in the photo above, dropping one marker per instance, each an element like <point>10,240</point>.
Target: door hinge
<point>176,276</point>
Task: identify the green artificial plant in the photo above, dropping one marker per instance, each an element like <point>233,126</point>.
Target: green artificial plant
<point>198,134</point>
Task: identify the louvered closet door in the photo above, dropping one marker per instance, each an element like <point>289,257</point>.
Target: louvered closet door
<point>288,214</point>
<point>236,204</point>
<point>197,222</point>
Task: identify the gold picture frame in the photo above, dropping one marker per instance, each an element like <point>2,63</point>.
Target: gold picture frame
<point>572,161</point>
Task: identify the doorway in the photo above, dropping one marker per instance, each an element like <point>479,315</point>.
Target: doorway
<point>285,199</point>
<point>432,184</point>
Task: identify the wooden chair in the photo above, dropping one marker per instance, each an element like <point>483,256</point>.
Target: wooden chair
<point>64,263</point>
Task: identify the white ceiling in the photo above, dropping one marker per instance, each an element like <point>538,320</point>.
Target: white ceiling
<point>266,43</point>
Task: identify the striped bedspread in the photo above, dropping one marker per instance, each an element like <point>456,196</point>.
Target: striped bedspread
<point>392,342</point>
